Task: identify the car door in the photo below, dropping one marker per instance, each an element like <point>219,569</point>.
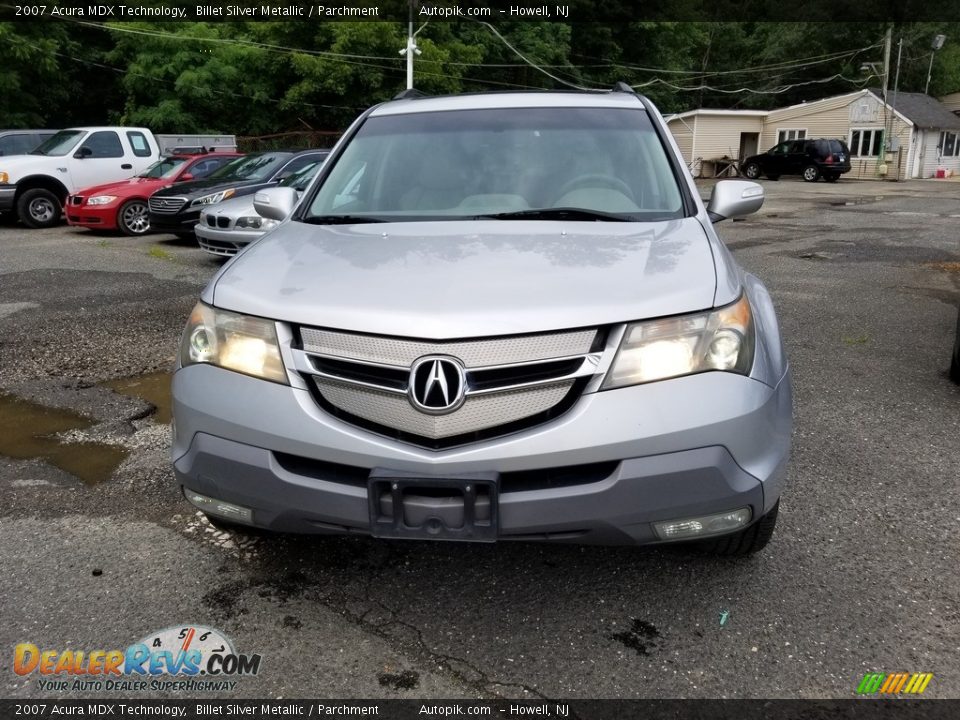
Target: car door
<point>796,157</point>
<point>776,159</point>
<point>100,159</point>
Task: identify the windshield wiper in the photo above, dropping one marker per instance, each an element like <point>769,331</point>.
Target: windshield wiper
<point>343,219</point>
<point>37,152</point>
<point>556,214</point>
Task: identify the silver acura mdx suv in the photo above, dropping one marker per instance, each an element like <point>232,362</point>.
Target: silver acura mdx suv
<point>491,317</point>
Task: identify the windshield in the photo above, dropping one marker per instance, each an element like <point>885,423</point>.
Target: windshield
<point>518,163</point>
<point>60,144</point>
<point>250,167</point>
<point>163,168</point>
<point>300,179</point>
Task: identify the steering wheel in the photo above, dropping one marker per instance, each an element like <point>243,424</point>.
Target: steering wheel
<point>597,181</point>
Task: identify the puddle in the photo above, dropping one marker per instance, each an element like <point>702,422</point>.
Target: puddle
<point>26,432</point>
<point>154,388</point>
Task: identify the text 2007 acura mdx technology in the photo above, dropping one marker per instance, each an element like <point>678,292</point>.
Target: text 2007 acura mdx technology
<point>491,317</point>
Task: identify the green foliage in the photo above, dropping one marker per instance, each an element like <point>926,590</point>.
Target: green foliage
<point>264,78</point>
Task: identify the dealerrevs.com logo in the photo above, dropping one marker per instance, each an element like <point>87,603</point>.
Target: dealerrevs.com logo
<point>179,658</point>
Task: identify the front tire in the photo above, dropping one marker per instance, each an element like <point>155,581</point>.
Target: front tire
<point>39,208</point>
<point>751,171</point>
<point>133,218</point>
<point>749,540</point>
<point>811,173</point>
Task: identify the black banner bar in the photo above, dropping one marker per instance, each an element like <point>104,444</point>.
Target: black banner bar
<point>493,11</point>
<point>861,709</point>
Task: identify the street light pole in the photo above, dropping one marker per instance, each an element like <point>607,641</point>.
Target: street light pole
<point>411,49</point>
<point>935,45</point>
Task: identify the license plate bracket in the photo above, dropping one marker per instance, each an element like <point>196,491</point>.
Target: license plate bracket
<point>410,506</point>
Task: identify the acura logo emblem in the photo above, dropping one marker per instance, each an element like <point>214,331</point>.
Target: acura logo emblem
<point>437,384</point>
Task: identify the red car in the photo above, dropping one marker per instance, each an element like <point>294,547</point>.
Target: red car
<point>123,205</point>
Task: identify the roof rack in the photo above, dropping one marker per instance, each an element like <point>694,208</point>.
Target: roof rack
<point>410,94</point>
<point>621,86</point>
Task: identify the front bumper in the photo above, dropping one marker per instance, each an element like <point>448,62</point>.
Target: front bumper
<point>182,222</point>
<point>690,446</point>
<point>225,242</point>
<point>7,196</point>
<point>97,217</point>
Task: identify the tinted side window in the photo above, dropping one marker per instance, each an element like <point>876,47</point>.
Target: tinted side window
<point>138,141</point>
<point>104,144</point>
<point>297,164</point>
<point>19,144</point>
<point>204,167</point>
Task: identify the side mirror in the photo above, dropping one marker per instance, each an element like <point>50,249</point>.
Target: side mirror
<point>734,198</point>
<point>186,177</point>
<point>82,153</point>
<point>276,203</point>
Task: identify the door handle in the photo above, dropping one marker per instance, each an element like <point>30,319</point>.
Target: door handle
<point>126,166</point>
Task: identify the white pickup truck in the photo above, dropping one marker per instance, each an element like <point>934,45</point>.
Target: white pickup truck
<point>35,186</point>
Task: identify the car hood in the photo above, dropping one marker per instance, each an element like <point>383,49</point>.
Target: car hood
<point>196,188</point>
<point>19,166</point>
<point>130,186</point>
<point>232,207</point>
<point>432,280</point>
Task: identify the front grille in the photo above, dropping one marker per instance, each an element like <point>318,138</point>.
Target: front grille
<point>211,221</point>
<point>166,205</point>
<point>223,222</point>
<point>478,413</point>
<point>76,200</point>
<point>473,353</point>
<point>509,383</point>
<point>218,247</point>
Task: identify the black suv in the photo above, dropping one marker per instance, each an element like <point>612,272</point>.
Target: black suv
<point>813,159</point>
<point>177,209</point>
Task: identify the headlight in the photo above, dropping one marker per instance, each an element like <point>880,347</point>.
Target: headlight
<point>720,339</point>
<point>256,222</point>
<point>213,197</point>
<point>4,177</point>
<point>101,199</point>
<point>236,342</point>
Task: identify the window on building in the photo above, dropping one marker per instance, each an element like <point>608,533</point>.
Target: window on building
<point>790,134</point>
<point>948,147</point>
<point>866,142</point>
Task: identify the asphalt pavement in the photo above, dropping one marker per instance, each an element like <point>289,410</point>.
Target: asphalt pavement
<point>860,577</point>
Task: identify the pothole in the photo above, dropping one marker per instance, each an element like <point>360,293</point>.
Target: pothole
<point>88,449</point>
<point>29,430</point>
<point>154,388</point>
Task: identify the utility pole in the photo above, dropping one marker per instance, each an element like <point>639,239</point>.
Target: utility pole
<point>936,45</point>
<point>411,49</point>
<point>887,40</point>
<point>893,108</point>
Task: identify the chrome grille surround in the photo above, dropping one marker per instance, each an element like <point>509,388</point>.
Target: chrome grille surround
<point>482,352</point>
<point>166,204</point>
<point>363,380</point>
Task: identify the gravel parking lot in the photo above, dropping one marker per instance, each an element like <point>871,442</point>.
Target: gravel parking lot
<point>860,577</point>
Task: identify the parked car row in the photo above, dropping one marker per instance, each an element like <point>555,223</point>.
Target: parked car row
<point>35,186</point>
<point>122,205</point>
<point>176,209</point>
<point>127,179</point>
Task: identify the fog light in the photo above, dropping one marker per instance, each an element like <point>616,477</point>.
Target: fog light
<point>702,526</point>
<point>219,508</point>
